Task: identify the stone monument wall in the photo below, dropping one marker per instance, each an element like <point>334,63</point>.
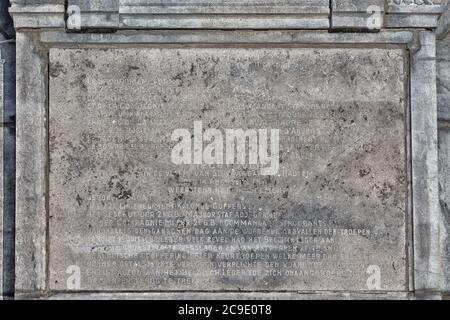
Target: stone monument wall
<point>226,149</point>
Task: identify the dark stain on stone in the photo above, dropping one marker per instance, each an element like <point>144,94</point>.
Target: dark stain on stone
<point>384,192</point>
<point>79,81</point>
<point>89,64</point>
<point>119,185</point>
<point>174,178</point>
<point>79,200</point>
<point>56,69</point>
<point>180,78</point>
<point>364,172</point>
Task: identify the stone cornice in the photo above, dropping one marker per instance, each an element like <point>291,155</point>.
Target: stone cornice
<point>91,15</point>
<point>38,15</point>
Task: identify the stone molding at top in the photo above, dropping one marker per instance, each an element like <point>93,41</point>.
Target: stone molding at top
<point>92,15</point>
<point>443,28</point>
<point>414,13</point>
<point>198,14</point>
<point>38,13</point>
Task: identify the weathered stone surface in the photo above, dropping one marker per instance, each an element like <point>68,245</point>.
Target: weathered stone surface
<point>444,187</point>
<point>9,88</point>
<point>219,37</point>
<point>7,118</point>
<point>93,14</point>
<point>37,2</point>
<point>427,219</point>
<point>6,27</point>
<point>238,296</point>
<point>443,78</point>
<point>204,14</point>
<point>38,13</point>
<point>443,94</point>
<point>124,216</point>
<point>8,192</point>
<point>357,14</point>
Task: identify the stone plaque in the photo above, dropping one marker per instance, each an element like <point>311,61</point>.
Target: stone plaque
<point>147,191</point>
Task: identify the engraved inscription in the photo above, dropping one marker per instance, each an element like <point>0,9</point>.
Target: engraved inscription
<point>123,216</point>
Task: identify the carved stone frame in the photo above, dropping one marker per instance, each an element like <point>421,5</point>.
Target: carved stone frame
<point>424,223</point>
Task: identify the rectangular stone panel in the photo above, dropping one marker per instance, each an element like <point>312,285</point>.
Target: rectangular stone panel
<point>329,215</point>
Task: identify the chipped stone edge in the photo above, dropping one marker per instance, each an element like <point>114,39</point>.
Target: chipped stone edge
<point>444,184</point>
<point>38,16</point>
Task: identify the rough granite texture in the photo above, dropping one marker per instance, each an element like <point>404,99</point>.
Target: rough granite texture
<point>129,219</point>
